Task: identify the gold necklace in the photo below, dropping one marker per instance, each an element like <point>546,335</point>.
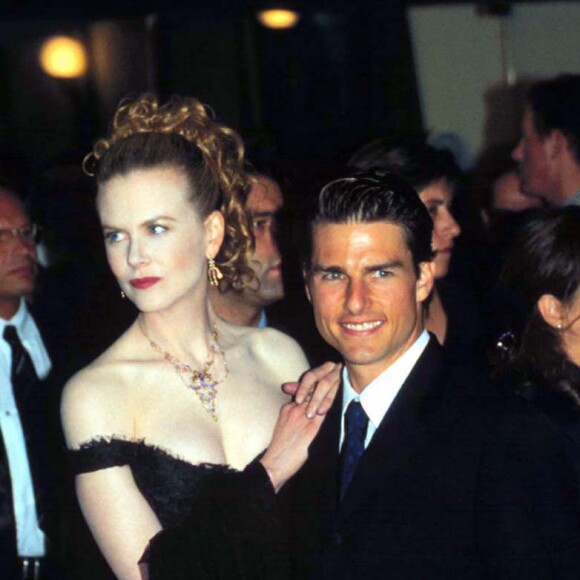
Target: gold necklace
<point>201,382</point>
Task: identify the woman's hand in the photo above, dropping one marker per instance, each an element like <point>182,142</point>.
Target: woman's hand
<point>299,421</point>
<point>288,449</point>
<point>317,388</point>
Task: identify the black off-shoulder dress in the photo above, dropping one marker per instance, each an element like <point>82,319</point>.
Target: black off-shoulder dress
<point>218,523</point>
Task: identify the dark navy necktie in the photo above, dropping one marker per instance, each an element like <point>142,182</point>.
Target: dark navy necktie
<point>23,374</point>
<point>355,428</point>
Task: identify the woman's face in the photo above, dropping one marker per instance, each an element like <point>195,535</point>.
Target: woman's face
<point>156,242</point>
<point>437,198</point>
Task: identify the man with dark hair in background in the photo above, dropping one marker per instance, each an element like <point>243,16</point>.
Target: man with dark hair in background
<point>548,152</point>
<point>247,307</point>
<point>420,470</point>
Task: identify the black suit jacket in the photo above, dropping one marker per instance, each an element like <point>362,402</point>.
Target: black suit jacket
<point>38,407</point>
<point>449,487</point>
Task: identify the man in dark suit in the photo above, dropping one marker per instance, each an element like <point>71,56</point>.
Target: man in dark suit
<point>421,470</point>
<point>28,412</point>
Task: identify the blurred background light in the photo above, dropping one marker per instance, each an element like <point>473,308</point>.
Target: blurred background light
<point>63,57</point>
<point>278,18</point>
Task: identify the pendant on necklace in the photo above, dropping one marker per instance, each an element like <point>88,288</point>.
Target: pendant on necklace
<point>200,381</point>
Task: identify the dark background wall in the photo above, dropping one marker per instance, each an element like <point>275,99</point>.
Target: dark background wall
<point>342,75</point>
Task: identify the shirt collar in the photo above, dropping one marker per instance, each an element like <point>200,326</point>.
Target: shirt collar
<point>378,395</point>
<point>30,337</point>
<point>18,320</point>
<point>263,322</point>
<point>573,199</point>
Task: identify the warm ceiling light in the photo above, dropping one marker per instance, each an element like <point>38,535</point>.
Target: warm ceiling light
<point>63,57</point>
<point>278,18</point>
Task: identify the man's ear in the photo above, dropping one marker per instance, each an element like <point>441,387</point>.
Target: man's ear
<point>555,143</point>
<point>425,281</point>
<point>484,217</point>
<point>214,230</point>
<point>551,310</point>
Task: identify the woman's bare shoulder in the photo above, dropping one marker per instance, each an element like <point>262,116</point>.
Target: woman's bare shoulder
<point>91,382</point>
<point>106,372</point>
<point>275,350</point>
<point>96,401</point>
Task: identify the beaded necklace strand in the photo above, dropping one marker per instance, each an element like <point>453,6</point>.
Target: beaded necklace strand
<point>200,381</point>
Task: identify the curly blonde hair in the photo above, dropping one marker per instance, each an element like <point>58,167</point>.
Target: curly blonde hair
<point>183,134</point>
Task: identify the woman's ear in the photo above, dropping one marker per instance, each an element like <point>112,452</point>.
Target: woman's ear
<point>214,230</point>
<point>551,310</point>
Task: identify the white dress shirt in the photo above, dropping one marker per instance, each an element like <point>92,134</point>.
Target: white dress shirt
<point>377,396</point>
<point>30,538</point>
<point>573,199</point>
<point>263,322</point>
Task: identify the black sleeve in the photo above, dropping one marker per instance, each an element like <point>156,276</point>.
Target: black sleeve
<point>101,453</point>
<point>528,508</point>
<point>232,533</point>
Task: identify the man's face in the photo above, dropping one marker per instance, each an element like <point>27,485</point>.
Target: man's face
<point>508,196</point>
<point>534,161</point>
<point>264,201</point>
<point>366,295</point>
<point>18,260</point>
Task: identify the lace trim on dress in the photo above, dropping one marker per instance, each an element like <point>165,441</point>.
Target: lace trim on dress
<point>114,451</point>
<point>101,453</point>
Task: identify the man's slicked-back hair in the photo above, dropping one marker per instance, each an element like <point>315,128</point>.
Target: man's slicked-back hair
<point>378,197</point>
<point>555,104</point>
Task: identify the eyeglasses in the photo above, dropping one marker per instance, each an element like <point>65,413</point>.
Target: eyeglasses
<point>28,234</point>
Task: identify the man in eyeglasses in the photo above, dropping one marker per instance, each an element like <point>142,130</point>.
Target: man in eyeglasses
<point>18,259</point>
<point>25,456</point>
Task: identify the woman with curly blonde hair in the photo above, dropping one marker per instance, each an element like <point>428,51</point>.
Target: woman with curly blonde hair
<point>182,398</point>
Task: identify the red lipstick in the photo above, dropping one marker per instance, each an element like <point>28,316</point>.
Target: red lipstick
<point>143,283</point>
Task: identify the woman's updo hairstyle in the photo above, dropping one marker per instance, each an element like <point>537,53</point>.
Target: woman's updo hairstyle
<point>183,134</point>
<point>544,259</point>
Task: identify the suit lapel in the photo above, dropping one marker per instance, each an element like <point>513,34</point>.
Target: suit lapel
<point>324,455</point>
<point>399,432</point>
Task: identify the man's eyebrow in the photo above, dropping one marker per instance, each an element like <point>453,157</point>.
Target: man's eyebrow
<point>321,268</point>
<point>262,214</point>
<point>391,265</point>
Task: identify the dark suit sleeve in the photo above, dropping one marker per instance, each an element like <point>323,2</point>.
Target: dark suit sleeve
<point>232,532</point>
<point>528,516</point>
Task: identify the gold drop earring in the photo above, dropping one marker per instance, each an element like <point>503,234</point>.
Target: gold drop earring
<point>214,274</point>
